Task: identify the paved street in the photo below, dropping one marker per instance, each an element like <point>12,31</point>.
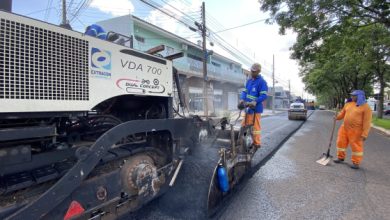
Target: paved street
<point>187,199</point>
<point>119,106</point>
<point>292,186</point>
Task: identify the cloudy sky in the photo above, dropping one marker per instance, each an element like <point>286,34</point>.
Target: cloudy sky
<point>258,41</point>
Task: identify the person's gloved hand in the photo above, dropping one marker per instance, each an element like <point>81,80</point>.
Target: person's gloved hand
<point>241,105</point>
<point>252,104</point>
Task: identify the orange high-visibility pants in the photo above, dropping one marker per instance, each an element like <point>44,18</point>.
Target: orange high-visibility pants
<point>256,127</point>
<point>353,138</point>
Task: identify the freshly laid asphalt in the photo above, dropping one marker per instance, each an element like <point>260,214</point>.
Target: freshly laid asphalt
<point>292,186</point>
<point>287,183</point>
<point>187,199</point>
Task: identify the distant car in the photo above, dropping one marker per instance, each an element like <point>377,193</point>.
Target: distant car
<point>387,109</point>
<point>321,107</point>
<point>297,111</point>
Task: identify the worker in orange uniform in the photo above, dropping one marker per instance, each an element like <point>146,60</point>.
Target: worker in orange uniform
<point>253,96</point>
<point>357,116</point>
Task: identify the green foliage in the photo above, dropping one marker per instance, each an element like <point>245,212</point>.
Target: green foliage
<point>384,123</point>
<point>341,64</point>
<point>313,19</point>
<point>341,45</point>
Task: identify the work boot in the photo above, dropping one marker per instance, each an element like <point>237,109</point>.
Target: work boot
<point>257,146</point>
<point>254,148</point>
<point>338,160</point>
<point>355,166</point>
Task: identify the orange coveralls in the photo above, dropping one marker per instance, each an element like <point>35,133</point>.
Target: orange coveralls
<point>357,124</point>
<point>256,126</point>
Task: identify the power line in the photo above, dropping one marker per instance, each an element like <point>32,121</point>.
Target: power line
<point>85,4</point>
<point>243,25</point>
<point>185,19</point>
<point>144,10</point>
<point>78,8</point>
<point>246,60</point>
<point>185,14</point>
<point>160,8</point>
<point>47,12</point>
<point>243,55</point>
<point>184,2</point>
<point>38,11</point>
<point>84,26</point>
<point>228,47</point>
<point>69,7</point>
<point>216,23</point>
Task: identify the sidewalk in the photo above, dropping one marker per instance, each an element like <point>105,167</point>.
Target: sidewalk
<point>383,130</point>
<point>291,185</point>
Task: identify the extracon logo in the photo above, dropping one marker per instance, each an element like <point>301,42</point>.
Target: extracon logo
<point>101,63</point>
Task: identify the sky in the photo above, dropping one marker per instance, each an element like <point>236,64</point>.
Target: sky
<point>258,41</point>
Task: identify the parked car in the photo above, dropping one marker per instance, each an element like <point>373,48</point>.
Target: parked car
<point>297,111</point>
<point>321,107</point>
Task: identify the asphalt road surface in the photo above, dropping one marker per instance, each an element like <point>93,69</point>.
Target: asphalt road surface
<point>292,186</point>
<point>188,198</point>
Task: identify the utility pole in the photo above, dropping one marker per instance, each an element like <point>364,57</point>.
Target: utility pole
<point>64,22</point>
<point>63,12</point>
<point>289,93</point>
<point>205,92</point>
<point>273,83</point>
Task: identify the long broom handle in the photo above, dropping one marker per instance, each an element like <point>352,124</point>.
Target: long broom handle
<point>331,136</point>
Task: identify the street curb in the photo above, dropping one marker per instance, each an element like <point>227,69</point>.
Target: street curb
<point>381,130</point>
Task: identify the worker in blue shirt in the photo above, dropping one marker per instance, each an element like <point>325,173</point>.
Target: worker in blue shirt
<point>253,96</point>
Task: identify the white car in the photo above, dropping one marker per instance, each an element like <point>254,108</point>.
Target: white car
<point>321,107</point>
<point>297,111</point>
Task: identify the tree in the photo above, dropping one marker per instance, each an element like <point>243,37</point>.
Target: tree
<point>340,65</point>
<point>379,59</point>
<point>317,21</point>
<point>313,19</point>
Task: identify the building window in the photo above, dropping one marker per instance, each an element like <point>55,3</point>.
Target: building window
<point>194,57</point>
<point>215,64</point>
<point>140,39</point>
<point>218,94</point>
<point>196,99</point>
<point>169,50</point>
